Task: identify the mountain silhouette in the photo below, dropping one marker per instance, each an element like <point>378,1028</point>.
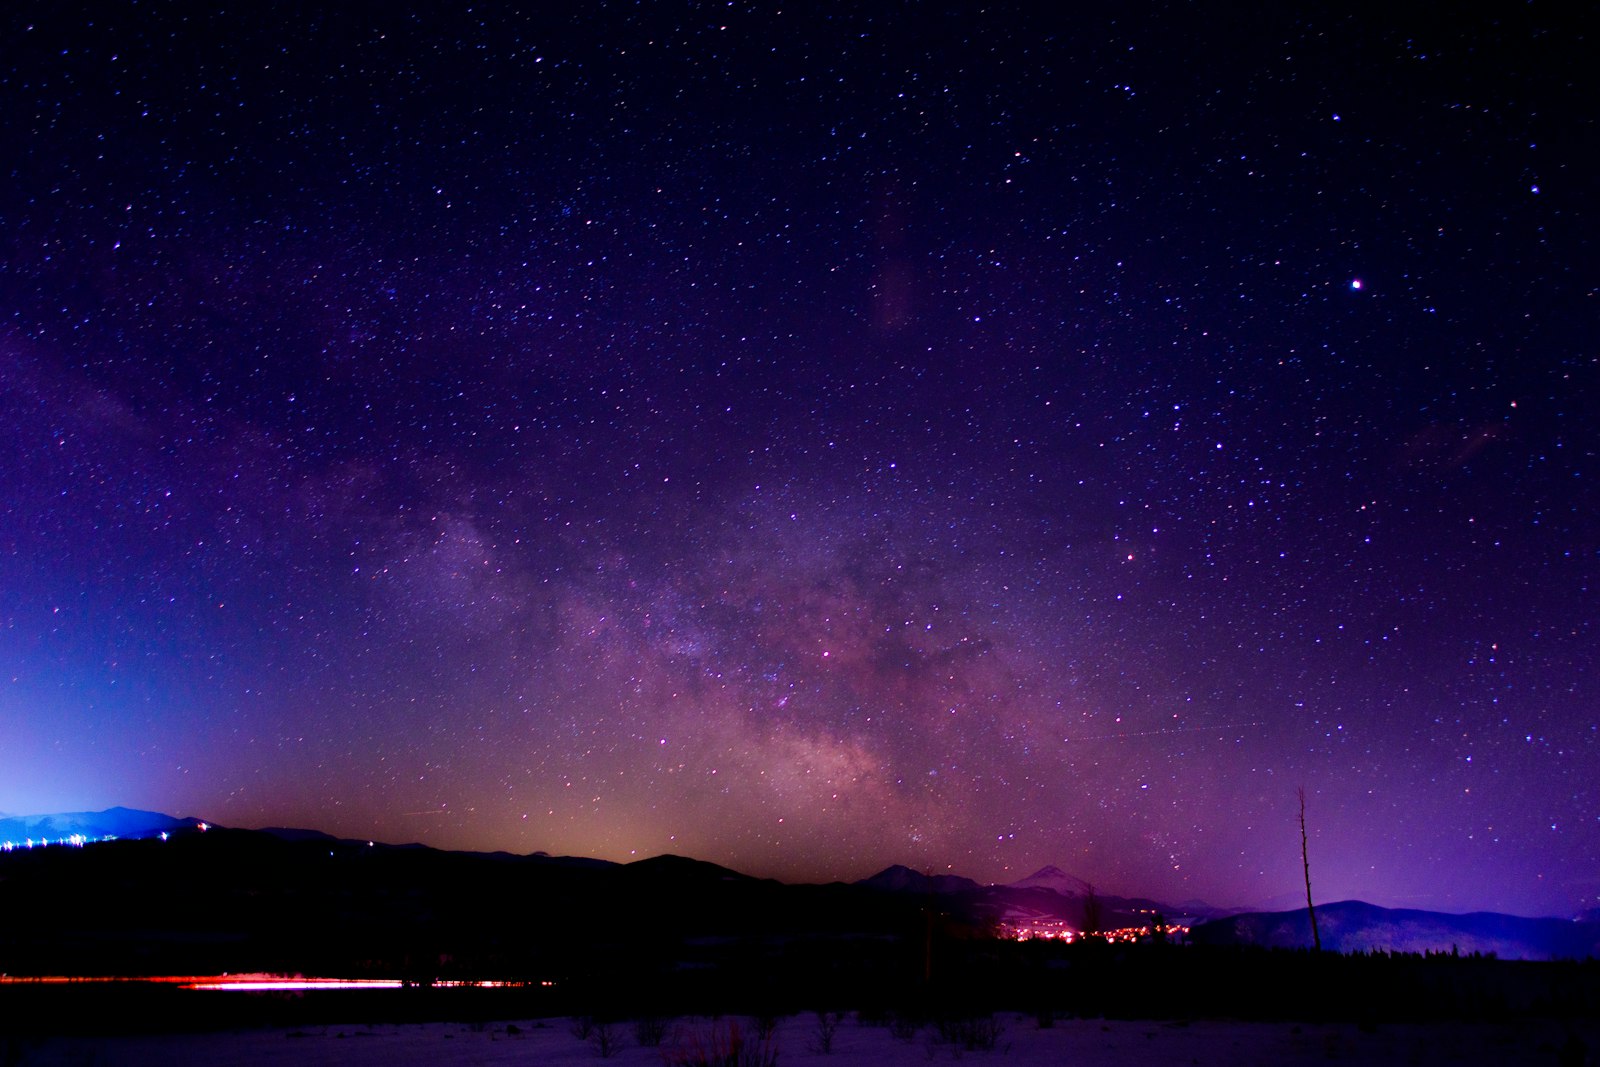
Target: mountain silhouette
<point>118,822</point>
<point>1355,926</point>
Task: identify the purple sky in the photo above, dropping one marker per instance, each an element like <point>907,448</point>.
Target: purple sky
<point>812,439</point>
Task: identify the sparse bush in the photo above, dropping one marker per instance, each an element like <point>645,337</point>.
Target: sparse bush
<point>605,1039</point>
<point>766,1024</point>
<point>976,1033</point>
<point>903,1026</point>
<point>582,1026</point>
<point>650,1030</point>
<point>720,1046</point>
<point>827,1027</point>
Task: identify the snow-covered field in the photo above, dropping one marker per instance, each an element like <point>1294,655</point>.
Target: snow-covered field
<point>1076,1042</point>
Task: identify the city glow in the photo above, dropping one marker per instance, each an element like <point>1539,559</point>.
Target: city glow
<point>1060,931</point>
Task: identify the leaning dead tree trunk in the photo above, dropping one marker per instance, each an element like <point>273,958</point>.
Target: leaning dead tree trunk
<point>1305,862</point>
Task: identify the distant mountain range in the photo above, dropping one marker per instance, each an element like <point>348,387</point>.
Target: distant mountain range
<point>111,824</point>
<point>391,886</point>
<point>899,879</point>
<point>1046,903</point>
<point>1050,899</point>
<point>1355,926</point>
<point>1056,880</point>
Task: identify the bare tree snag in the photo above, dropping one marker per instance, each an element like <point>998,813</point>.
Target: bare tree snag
<point>1305,861</point>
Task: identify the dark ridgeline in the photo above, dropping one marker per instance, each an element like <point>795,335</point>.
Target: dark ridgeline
<point>658,937</point>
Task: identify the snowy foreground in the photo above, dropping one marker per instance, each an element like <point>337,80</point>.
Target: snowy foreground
<point>1076,1042</point>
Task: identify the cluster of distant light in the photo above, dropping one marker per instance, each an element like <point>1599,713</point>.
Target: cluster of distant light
<point>1060,931</point>
<point>70,841</point>
<point>74,840</point>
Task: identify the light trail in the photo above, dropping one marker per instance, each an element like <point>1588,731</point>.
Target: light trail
<point>275,985</point>
<point>249,983</point>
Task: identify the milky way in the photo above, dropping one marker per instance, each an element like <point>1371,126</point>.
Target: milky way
<point>814,439</point>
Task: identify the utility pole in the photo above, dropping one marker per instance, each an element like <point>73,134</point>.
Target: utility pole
<point>1305,862</point>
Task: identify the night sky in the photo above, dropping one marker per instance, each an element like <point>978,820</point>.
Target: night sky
<point>813,439</point>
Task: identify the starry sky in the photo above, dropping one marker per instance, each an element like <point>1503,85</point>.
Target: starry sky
<point>815,438</point>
